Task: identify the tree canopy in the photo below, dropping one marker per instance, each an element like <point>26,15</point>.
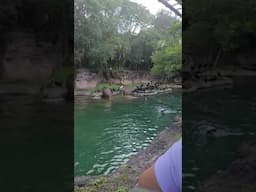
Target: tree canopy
<point>213,31</point>
<point>120,34</point>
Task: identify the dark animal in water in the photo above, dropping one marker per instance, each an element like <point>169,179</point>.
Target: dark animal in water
<point>106,93</point>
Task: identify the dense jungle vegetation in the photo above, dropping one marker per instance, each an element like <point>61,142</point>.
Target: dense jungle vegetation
<point>120,34</point>
<point>218,33</point>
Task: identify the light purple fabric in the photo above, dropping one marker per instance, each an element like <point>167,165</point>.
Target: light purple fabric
<point>168,169</point>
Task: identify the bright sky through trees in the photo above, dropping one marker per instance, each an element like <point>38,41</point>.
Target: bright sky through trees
<point>153,6</point>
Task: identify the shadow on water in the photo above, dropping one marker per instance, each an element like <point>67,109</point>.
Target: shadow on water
<point>215,123</point>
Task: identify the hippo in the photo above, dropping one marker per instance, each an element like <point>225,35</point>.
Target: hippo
<point>106,93</point>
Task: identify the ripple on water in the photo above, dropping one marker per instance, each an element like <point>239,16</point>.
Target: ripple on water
<point>106,152</point>
<point>105,139</point>
<point>109,170</point>
<point>184,175</point>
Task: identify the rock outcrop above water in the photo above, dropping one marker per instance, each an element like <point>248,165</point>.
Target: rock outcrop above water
<point>26,59</point>
<point>30,65</point>
<point>85,79</point>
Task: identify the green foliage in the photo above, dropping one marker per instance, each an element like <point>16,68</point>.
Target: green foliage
<point>167,58</point>
<point>101,86</point>
<point>100,182</point>
<point>120,34</point>
<point>122,189</point>
<point>116,184</point>
<point>103,30</point>
<point>220,25</point>
<point>167,61</point>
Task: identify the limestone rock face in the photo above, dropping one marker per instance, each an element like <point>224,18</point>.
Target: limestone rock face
<point>85,79</point>
<point>26,59</point>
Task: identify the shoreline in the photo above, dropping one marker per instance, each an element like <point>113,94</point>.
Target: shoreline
<point>125,177</point>
<point>128,91</point>
<point>228,74</point>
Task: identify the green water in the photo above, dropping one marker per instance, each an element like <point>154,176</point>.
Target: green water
<point>36,142</point>
<point>230,109</point>
<point>107,133</point>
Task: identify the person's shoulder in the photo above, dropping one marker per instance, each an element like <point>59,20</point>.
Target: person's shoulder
<point>168,168</point>
<point>175,150</point>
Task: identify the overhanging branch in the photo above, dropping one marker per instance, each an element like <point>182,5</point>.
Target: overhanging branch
<point>165,2</point>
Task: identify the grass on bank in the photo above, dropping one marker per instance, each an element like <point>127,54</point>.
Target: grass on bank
<point>114,183</point>
<point>103,183</point>
<point>101,86</point>
<point>121,182</point>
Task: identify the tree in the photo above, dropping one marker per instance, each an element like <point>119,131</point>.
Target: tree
<point>103,31</point>
<point>221,29</point>
<point>120,34</point>
<point>167,58</point>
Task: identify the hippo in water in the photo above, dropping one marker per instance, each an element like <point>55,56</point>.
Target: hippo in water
<point>106,93</point>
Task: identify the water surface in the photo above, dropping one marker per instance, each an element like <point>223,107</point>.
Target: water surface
<point>36,144</point>
<point>233,112</point>
<point>107,133</point>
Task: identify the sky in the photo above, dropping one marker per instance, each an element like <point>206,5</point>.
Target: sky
<point>153,6</point>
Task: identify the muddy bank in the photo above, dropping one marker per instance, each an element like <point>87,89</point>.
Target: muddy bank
<point>125,177</point>
<point>239,176</point>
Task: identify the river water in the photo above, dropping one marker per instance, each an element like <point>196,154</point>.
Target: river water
<point>232,111</point>
<point>36,142</point>
<point>107,133</point>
